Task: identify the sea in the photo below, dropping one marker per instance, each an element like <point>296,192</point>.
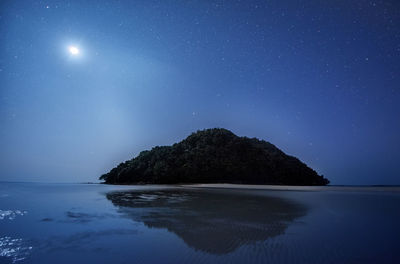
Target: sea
<point>96,223</point>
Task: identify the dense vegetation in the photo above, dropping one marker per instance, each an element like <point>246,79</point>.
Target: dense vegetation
<point>215,156</point>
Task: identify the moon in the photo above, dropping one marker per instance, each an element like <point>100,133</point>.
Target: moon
<point>73,50</point>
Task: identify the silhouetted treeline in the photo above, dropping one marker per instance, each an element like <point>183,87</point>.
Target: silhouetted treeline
<point>215,156</point>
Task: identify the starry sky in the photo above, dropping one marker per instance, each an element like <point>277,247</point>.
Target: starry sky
<point>319,79</point>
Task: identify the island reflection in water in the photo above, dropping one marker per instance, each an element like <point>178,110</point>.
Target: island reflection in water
<point>216,222</point>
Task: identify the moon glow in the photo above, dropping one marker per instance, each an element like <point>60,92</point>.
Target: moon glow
<point>73,50</point>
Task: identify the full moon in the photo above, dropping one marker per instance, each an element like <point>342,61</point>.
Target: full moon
<point>73,50</point>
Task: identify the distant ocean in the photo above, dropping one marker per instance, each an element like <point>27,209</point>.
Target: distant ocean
<point>92,223</point>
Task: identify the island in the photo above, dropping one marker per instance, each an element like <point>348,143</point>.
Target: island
<point>215,156</point>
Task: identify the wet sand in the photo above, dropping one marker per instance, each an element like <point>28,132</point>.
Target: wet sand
<point>296,188</point>
<point>206,223</point>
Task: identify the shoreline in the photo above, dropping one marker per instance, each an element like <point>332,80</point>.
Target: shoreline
<point>293,188</point>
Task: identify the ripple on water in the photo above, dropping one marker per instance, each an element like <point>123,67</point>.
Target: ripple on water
<point>11,214</point>
<point>14,248</point>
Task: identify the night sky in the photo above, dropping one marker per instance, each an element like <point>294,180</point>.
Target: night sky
<point>318,79</point>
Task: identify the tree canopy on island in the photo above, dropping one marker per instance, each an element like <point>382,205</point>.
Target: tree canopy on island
<point>214,156</point>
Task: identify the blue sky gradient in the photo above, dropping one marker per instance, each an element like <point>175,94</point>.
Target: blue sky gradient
<point>319,79</point>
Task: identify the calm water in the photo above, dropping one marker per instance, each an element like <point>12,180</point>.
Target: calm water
<point>72,223</point>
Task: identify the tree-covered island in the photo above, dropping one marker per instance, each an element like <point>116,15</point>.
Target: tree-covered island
<point>214,156</point>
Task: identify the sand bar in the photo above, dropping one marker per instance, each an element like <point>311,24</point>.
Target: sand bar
<point>296,188</point>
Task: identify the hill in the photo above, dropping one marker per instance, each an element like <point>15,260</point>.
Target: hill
<point>214,156</point>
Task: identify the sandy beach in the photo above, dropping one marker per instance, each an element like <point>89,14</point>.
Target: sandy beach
<point>297,188</point>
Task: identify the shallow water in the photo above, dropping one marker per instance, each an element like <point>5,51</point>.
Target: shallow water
<point>77,223</point>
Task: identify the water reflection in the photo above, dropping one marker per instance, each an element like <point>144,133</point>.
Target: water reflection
<point>13,249</point>
<point>82,241</point>
<point>212,221</point>
<point>11,214</point>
